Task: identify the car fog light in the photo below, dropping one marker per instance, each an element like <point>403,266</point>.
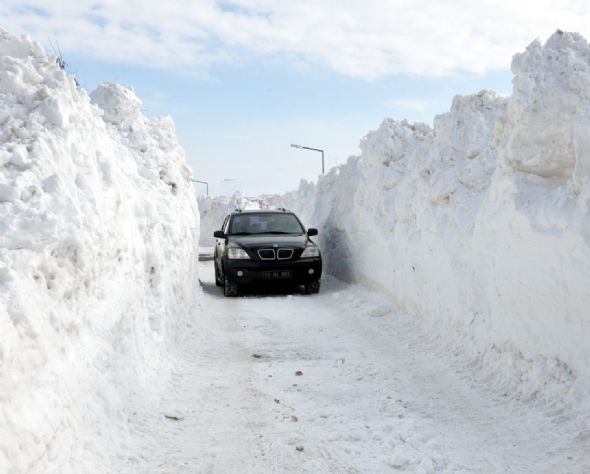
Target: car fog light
<point>311,271</point>
<point>240,273</point>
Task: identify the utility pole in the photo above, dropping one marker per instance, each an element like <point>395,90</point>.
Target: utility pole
<point>312,149</point>
<point>202,182</point>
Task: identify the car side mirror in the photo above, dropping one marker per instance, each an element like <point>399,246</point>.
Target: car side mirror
<point>219,234</point>
<point>311,232</point>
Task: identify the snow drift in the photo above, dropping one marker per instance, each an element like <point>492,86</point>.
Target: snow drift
<point>98,225</point>
<point>480,223</point>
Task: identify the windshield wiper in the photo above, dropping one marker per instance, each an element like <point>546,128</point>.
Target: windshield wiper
<point>273,232</point>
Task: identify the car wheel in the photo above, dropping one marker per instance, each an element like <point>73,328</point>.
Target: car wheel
<point>312,287</point>
<point>218,280</point>
<point>230,288</point>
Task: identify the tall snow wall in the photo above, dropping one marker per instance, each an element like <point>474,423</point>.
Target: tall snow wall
<point>481,223</point>
<point>98,229</point>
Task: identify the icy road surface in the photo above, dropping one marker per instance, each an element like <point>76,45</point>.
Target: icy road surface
<point>336,382</point>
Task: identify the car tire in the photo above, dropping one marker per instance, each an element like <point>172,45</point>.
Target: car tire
<point>230,289</point>
<point>218,280</point>
<point>312,287</point>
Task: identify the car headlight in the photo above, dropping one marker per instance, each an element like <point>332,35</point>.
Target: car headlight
<point>311,251</point>
<point>236,253</point>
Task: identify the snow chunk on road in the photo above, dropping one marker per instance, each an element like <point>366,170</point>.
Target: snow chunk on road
<point>98,229</point>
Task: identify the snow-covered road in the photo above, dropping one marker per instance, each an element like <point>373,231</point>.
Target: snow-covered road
<point>335,382</point>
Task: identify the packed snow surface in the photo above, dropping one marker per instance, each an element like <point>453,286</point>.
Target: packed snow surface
<point>338,382</point>
<point>98,227</point>
<point>481,223</point>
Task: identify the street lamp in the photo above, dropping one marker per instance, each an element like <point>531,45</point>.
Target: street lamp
<point>202,182</point>
<point>313,149</point>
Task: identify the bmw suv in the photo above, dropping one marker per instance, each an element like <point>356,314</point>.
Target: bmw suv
<point>266,246</point>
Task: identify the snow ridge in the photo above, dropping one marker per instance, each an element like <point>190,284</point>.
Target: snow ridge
<point>98,227</point>
<point>479,225</point>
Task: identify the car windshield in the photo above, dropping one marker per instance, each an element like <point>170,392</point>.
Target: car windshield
<point>265,223</point>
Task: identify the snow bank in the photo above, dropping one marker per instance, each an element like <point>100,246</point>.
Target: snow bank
<point>481,223</point>
<point>98,226</point>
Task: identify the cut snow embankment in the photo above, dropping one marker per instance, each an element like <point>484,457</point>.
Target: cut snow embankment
<point>98,228</point>
<point>481,223</point>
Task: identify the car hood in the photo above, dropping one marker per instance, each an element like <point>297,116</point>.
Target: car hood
<point>269,241</point>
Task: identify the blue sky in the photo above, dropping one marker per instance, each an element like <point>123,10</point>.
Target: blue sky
<point>238,122</point>
<point>243,79</point>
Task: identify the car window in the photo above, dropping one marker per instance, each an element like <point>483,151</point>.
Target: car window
<point>265,223</point>
<point>224,225</point>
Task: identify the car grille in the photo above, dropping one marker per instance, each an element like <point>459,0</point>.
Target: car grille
<point>272,254</point>
<point>266,254</point>
<point>284,254</point>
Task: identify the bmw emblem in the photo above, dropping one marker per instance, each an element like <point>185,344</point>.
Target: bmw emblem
<point>275,245</point>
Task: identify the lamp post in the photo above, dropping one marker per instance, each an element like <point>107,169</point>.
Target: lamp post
<point>202,182</point>
<point>312,149</point>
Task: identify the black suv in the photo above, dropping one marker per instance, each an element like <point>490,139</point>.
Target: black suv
<point>266,246</point>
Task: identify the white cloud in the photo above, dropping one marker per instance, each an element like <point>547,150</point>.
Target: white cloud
<point>367,39</point>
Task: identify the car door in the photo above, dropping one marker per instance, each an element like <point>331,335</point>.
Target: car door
<point>220,244</point>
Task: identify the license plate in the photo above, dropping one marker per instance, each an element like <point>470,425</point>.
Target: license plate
<point>276,274</point>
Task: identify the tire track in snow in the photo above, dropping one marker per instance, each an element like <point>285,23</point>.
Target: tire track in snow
<point>376,394</point>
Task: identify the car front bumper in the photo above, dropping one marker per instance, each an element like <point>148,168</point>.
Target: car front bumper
<point>301,271</point>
